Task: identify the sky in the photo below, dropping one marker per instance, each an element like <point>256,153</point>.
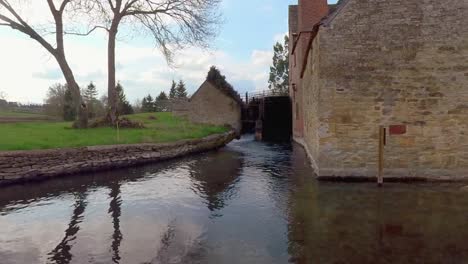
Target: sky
<point>242,51</point>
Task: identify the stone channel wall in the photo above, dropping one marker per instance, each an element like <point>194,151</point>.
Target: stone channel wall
<point>21,166</point>
<point>390,63</point>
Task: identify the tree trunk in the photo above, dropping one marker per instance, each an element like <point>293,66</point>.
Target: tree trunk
<point>59,53</point>
<point>80,106</point>
<point>112,96</point>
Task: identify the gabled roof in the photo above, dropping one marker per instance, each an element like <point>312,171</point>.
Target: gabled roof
<point>332,8</point>
<point>218,80</point>
<point>334,11</point>
<point>228,91</point>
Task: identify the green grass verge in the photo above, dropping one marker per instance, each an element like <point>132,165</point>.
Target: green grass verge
<point>47,135</point>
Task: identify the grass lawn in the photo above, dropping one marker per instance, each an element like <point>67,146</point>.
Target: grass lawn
<point>46,135</point>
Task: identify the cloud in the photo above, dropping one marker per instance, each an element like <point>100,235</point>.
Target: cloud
<point>50,74</point>
<point>28,70</point>
<point>280,37</point>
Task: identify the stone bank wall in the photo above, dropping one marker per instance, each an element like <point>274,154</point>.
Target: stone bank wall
<point>20,166</point>
<point>399,62</point>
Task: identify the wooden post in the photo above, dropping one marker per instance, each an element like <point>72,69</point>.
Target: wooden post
<point>381,155</point>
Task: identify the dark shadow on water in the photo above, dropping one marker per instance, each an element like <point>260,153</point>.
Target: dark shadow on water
<point>214,178</point>
<point>20,196</point>
<point>62,252</point>
<point>116,211</point>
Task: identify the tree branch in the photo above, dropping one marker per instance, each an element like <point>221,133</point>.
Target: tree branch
<point>26,29</point>
<point>10,9</point>
<point>127,6</point>
<point>146,12</point>
<point>63,5</point>
<point>111,5</point>
<point>87,33</point>
<point>52,6</point>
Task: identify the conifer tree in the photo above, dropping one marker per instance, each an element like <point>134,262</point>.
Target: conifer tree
<point>160,102</point>
<point>144,104</point>
<point>90,97</point>
<point>162,96</point>
<point>147,104</point>
<point>123,106</point>
<point>173,91</point>
<point>91,92</point>
<point>181,91</point>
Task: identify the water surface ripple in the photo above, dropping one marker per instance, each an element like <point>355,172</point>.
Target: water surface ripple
<point>249,202</point>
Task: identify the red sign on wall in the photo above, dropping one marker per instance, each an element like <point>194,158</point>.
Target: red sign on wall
<point>397,129</point>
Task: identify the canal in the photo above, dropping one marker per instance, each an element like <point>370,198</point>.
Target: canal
<point>249,202</point>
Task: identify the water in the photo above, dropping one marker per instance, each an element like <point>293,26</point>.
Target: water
<point>249,202</point>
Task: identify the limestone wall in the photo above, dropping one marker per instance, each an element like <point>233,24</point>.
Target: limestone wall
<point>19,166</point>
<point>180,107</point>
<point>211,106</point>
<point>311,99</point>
<point>400,62</point>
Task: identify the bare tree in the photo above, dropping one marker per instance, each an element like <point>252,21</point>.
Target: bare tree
<point>172,24</point>
<point>10,17</point>
<point>55,100</point>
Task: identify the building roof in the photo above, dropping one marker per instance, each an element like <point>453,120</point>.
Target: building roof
<point>229,91</point>
<point>332,8</point>
<point>333,12</point>
<point>226,90</point>
<point>218,80</point>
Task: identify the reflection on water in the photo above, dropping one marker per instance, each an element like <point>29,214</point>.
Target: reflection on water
<point>247,203</point>
<point>115,211</point>
<point>213,178</point>
<point>61,253</point>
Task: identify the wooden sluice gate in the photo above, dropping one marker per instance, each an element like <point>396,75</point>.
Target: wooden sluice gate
<point>269,116</point>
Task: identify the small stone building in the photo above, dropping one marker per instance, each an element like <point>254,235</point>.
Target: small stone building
<point>400,64</point>
<point>213,105</point>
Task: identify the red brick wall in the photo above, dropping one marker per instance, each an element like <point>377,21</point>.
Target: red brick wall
<point>309,13</point>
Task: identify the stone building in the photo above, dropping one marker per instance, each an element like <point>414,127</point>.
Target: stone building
<point>400,64</point>
<point>216,106</point>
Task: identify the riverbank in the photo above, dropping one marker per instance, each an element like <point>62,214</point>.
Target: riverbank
<point>159,128</point>
<point>37,165</point>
